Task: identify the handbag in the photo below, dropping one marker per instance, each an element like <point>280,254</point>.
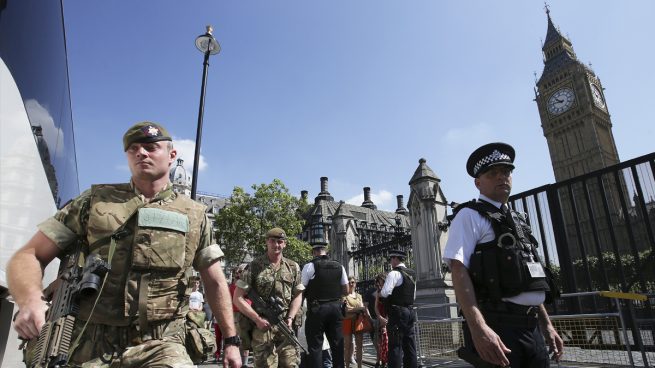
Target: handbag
<point>362,323</point>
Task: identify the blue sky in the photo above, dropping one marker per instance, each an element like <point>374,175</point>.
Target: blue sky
<point>356,91</point>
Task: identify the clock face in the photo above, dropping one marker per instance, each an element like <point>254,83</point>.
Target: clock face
<point>560,101</point>
<point>597,96</point>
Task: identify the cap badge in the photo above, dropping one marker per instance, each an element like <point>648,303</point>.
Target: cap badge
<point>151,131</point>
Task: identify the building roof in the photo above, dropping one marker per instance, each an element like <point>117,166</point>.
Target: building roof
<point>423,171</point>
<point>178,174</point>
<point>564,58</point>
<point>331,209</point>
<point>552,34</point>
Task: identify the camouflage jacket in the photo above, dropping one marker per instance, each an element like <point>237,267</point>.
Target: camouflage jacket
<point>164,238</point>
<point>283,282</point>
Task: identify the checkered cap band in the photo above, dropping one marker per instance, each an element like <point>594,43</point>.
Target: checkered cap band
<point>493,157</point>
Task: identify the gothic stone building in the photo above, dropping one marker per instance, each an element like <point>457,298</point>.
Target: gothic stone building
<point>359,237</point>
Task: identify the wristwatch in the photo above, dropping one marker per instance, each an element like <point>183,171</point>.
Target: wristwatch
<point>232,340</point>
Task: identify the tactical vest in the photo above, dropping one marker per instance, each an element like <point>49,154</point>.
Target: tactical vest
<point>149,265</point>
<point>404,294</point>
<point>502,267</point>
<point>326,284</point>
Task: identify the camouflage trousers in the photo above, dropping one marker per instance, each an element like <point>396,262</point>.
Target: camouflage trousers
<point>244,327</point>
<point>112,346</point>
<point>271,349</point>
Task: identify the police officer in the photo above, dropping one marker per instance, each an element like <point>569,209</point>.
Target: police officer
<point>144,301</point>
<point>399,291</point>
<point>499,281</point>
<point>325,283</point>
<point>272,275</point>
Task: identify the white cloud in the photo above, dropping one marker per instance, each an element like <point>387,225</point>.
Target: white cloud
<point>186,151</point>
<point>124,168</point>
<point>383,199</point>
<point>40,116</point>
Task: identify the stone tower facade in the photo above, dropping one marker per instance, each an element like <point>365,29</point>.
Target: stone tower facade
<point>576,123</point>
<point>574,114</point>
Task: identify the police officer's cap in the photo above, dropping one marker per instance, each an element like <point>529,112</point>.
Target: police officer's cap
<point>489,155</point>
<point>276,233</point>
<point>145,132</point>
<point>397,253</point>
<point>319,245</point>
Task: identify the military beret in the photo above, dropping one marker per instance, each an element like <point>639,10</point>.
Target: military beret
<point>397,253</point>
<point>489,155</point>
<point>276,232</point>
<point>145,132</point>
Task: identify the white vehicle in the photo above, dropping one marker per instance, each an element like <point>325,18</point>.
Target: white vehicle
<point>38,166</point>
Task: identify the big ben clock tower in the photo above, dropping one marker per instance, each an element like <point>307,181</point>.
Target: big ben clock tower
<point>573,111</point>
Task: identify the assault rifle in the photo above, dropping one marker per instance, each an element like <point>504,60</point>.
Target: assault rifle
<point>272,309</point>
<point>76,279</point>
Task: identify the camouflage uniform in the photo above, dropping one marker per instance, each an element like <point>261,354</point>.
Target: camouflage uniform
<point>140,317</point>
<point>271,348</point>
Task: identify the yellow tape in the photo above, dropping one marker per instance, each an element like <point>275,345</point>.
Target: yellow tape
<point>619,295</point>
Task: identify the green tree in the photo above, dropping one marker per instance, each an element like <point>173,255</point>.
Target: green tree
<point>243,223</point>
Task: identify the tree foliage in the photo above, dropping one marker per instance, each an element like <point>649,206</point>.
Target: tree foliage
<point>243,223</point>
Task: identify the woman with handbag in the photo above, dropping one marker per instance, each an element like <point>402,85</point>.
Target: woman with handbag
<point>356,322</point>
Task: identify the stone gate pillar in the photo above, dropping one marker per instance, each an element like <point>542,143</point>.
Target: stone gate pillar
<point>427,208</point>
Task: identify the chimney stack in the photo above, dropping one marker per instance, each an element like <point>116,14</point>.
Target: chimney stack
<point>401,206</point>
<point>324,183</point>
<point>367,199</point>
<point>324,195</point>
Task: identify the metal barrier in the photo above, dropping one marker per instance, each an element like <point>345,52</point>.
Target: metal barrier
<point>590,340</point>
<point>603,339</point>
<point>437,339</point>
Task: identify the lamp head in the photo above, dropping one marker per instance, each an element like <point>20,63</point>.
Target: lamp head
<point>207,43</point>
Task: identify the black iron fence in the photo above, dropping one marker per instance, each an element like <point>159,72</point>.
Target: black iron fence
<point>596,230</point>
<point>371,260</point>
<point>597,233</point>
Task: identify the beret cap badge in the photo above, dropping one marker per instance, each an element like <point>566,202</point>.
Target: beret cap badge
<point>151,131</point>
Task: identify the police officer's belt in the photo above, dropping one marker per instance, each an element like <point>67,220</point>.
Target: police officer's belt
<point>508,307</point>
<point>509,314</point>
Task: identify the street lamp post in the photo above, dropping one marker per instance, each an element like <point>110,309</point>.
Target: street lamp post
<point>208,45</point>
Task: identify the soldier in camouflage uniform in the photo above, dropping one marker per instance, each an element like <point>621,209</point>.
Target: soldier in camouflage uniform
<point>140,317</point>
<point>279,277</point>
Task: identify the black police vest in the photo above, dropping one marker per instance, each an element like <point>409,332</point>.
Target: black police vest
<point>499,268</point>
<point>403,295</point>
<point>326,284</point>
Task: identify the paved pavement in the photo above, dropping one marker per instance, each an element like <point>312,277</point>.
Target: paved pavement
<point>369,359</point>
